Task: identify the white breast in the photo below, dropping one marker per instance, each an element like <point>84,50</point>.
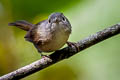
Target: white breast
<point>58,40</point>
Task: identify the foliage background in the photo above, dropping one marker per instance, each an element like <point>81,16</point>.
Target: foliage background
<point>100,62</point>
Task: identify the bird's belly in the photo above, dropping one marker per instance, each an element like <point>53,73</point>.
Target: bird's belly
<point>56,43</point>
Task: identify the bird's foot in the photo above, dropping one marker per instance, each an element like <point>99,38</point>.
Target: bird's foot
<point>73,44</point>
<point>44,56</point>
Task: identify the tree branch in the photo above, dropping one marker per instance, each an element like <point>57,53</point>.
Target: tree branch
<point>63,53</point>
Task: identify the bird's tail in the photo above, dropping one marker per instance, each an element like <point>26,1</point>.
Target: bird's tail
<point>24,25</point>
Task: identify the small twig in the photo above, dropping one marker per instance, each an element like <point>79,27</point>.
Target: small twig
<point>62,54</point>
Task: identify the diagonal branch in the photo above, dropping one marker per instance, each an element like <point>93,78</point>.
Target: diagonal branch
<point>62,54</point>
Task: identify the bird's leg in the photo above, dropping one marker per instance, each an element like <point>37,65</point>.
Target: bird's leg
<point>39,51</point>
<point>73,44</point>
<point>42,55</point>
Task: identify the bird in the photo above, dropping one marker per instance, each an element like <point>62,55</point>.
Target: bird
<point>48,35</point>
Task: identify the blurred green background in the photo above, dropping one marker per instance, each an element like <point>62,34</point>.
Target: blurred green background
<point>99,62</point>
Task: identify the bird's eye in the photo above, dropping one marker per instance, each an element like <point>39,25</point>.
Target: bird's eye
<point>63,19</point>
<point>49,20</point>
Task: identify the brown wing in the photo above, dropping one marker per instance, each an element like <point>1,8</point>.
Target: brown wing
<point>35,36</point>
<point>32,36</point>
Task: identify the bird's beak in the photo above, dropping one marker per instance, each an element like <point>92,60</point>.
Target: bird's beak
<point>56,20</point>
